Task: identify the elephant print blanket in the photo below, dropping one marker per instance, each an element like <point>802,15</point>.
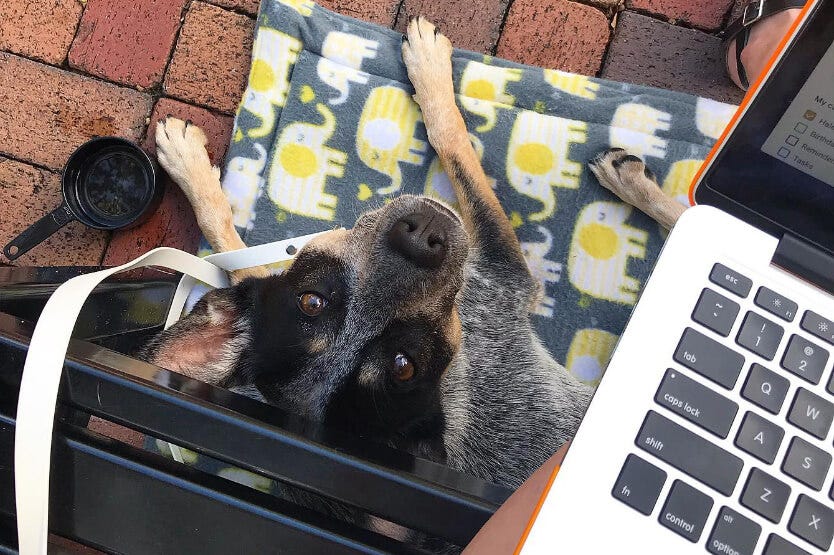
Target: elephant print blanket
<point>327,129</point>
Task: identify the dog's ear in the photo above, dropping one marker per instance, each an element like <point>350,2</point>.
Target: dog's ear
<point>208,342</point>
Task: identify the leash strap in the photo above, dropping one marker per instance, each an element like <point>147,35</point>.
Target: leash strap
<point>45,362</point>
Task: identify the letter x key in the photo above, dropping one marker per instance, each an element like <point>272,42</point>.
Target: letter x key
<point>813,522</point>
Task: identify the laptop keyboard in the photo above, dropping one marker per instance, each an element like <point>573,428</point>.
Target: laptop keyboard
<point>768,418</point>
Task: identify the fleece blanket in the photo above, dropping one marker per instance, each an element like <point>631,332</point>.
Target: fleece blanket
<point>327,129</point>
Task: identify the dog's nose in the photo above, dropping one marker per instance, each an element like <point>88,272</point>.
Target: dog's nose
<point>420,237</point>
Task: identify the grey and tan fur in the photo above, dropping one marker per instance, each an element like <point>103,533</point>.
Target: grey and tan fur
<point>412,328</point>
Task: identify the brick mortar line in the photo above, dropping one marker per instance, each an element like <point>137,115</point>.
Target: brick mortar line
<point>196,104</point>
<point>678,22</point>
<point>65,67</point>
<point>504,18</point>
<point>160,88</point>
<point>612,30</point>
<point>397,12</point>
<point>35,165</point>
<point>400,13</point>
<point>228,9</point>
<point>65,60</point>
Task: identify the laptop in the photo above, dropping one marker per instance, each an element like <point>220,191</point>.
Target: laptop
<point>711,430</point>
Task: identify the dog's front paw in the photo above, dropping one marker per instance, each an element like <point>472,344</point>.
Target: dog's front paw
<point>181,150</point>
<point>427,54</point>
<point>625,175</point>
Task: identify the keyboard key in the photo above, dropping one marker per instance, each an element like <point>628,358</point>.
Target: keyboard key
<point>776,304</point>
<point>759,437</point>
<point>805,359</point>
<point>715,312</point>
<point>731,280</point>
<point>777,545</point>
<point>817,325</point>
<point>696,403</point>
<point>709,358</point>
<point>813,522</point>
<point>733,533</point>
<point>806,463</point>
<point>685,511</point>
<point>765,495</point>
<point>811,413</point>
<point>689,453</point>
<point>760,335</point>
<point>765,388</point>
<point>639,484</point>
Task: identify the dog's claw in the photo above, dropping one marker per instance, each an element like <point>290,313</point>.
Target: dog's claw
<point>185,127</point>
<point>405,39</point>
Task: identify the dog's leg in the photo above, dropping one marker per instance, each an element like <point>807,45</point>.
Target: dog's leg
<point>181,150</point>
<point>427,56</point>
<point>629,178</point>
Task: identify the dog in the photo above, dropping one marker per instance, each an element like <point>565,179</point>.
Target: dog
<point>412,329</point>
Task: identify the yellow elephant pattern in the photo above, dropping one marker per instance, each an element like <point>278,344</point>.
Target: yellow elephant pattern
<point>328,128</point>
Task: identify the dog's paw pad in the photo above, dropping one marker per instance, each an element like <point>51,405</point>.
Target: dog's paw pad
<point>624,174</point>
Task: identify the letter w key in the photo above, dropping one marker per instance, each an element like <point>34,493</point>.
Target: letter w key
<point>811,413</point>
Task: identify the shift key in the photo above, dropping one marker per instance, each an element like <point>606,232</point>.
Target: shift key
<point>689,453</point>
<point>697,403</point>
<point>709,358</point>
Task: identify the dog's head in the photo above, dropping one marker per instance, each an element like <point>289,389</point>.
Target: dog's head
<point>357,332</point>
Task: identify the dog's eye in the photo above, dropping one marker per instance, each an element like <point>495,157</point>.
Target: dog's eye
<point>403,368</point>
<point>311,304</point>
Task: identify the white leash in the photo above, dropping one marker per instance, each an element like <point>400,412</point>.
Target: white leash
<point>45,362</point>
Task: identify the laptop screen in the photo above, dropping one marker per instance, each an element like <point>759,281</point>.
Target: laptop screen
<point>804,136</point>
<point>776,169</point>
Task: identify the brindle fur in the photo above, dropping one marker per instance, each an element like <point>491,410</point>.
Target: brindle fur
<point>487,398</point>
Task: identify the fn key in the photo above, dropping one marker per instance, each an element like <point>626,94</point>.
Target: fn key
<point>639,484</point>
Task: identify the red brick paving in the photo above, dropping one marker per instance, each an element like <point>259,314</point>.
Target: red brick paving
<point>703,14</point>
<point>126,41</point>
<point>46,110</point>
<point>556,34</point>
<point>381,12</point>
<point>40,29</point>
<point>470,25</point>
<point>640,53</point>
<point>211,61</point>
<point>44,123</point>
<point>173,224</point>
<point>27,194</point>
